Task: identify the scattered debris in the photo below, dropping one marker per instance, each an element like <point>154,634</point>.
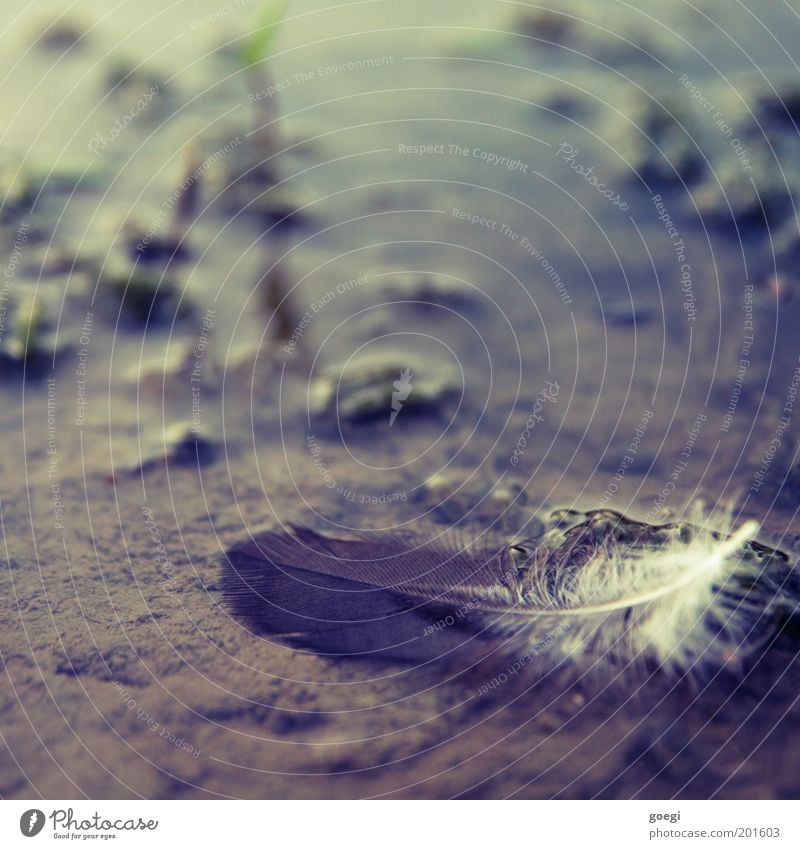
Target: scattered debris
<point>28,333</point>
<point>363,390</point>
<point>626,314</point>
<point>430,291</point>
<point>662,145</point>
<point>453,501</point>
<point>180,444</point>
<point>15,186</point>
<point>61,36</point>
<point>143,293</point>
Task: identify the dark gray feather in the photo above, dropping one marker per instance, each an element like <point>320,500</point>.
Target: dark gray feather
<point>378,594</point>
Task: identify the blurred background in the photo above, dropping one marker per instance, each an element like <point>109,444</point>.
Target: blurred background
<point>380,265</point>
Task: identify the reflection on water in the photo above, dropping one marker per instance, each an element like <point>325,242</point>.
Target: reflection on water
<point>450,261</point>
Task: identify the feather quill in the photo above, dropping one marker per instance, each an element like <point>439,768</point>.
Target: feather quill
<point>594,587</point>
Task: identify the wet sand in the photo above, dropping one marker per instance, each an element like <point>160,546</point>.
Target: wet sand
<point>427,207</point>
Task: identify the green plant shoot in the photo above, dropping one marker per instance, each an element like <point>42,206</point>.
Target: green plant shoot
<point>259,44</point>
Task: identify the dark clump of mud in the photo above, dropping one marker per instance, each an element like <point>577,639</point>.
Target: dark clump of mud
<point>419,266</point>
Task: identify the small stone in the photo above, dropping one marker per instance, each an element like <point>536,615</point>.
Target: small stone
<point>61,37</point>
<point>28,333</point>
<point>662,145</point>
<point>188,447</point>
<point>286,722</point>
<point>248,181</point>
<point>733,193</point>
<point>608,43</point>
<point>780,107</point>
<point>428,291</point>
<point>777,287</point>
<point>780,484</point>
<point>553,27</point>
<point>149,248</point>
<point>626,314</point>
<point>69,177</point>
<point>15,187</point>
<point>145,293</point>
<point>139,89</point>
<point>384,385</point>
<point>179,445</point>
<point>277,206</point>
<point>453,501</point>
<point>786,245</point>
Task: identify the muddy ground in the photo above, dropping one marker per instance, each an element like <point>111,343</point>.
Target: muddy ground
<point>203,262</point>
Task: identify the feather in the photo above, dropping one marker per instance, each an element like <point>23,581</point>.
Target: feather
<point>374,596</point>
<point>593,588</point>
